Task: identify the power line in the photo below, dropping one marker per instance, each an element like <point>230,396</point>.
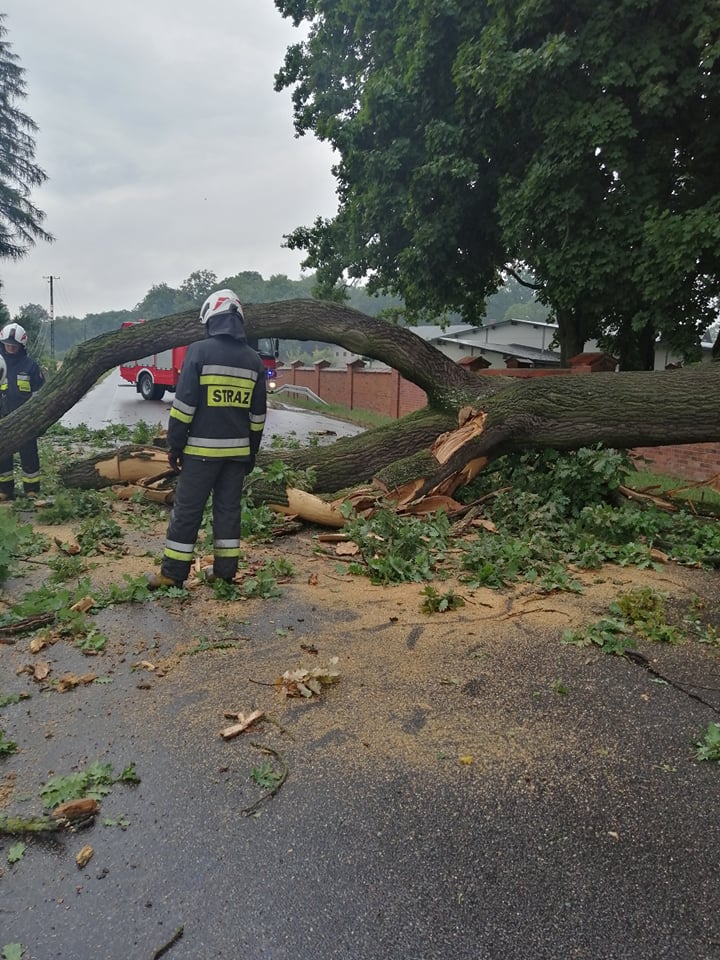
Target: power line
<point>50,280</point>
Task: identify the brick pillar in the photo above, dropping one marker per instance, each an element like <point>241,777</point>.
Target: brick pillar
<point>295,367</point>
<point>350,382</point>
<point>397,392</point>
<point>320,365</point>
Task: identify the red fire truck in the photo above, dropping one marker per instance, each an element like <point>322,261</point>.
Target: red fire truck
<point>155,374</point>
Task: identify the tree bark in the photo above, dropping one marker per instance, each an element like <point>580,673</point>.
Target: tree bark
<point>570,336</point>
<point>617,409</point>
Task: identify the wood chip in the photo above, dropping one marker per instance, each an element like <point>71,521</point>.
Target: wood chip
<point>83,857</point>
<point>83,605</point>
<point>243,722</point>
<point>349,549</point>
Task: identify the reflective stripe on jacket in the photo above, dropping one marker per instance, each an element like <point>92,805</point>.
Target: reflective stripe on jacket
<point>24,378</point>
<point>220,402</point>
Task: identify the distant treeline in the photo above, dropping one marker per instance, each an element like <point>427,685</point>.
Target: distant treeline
<point>162,300</point>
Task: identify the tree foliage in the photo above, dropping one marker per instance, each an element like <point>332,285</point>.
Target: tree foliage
<point>163,300</point>
<point>199,285</point>
<point>20,220</point>
<point>614,195</point>
<point>415,217</point>
<point>577,140</point>
<point>32,316</point>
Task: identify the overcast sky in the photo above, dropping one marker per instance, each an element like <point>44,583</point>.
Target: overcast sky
<point>166,147</point>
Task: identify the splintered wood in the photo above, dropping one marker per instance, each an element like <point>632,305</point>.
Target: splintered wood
<point>129,468</point>
<point>310,508</point>
<point>472,424</point>
<point>139,471</point>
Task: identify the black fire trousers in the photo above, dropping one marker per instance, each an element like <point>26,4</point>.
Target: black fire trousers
<point>198,480</point>
<point>30,463</point>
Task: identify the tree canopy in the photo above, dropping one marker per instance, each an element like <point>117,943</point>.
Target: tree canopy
<point>32,316</point>
<point>20,220</point>
<point>579,141</point>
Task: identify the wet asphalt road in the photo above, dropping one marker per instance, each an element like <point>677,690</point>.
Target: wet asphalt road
<point>114,400</point>
<point>359,858</point>
<point>609,852</point>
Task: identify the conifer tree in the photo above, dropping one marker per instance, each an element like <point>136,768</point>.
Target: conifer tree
<point>20,220</point>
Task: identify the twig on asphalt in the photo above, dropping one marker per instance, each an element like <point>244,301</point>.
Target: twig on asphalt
<point>282,777</point>
<point>166,946</point>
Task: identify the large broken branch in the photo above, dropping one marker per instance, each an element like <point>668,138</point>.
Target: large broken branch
<point>620,410</point>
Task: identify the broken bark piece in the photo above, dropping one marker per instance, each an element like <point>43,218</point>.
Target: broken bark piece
<point>70,547</point>
<point>432,504</point>
<point>17,826</point>
<point>128,491</point>
<point>73,810</point>
<point>70,680</point>
<point>333,537</point>
<point>39,671</point>
<point>27,624</point>
<point>660,502</point>
<point>347,549</point>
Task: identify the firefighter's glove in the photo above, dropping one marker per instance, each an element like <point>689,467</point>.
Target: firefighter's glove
<point>250,465</point>
<point>175,460</point>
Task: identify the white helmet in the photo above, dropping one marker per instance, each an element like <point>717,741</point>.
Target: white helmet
<point>221,301</point>
<point>13,333</point>
<point>3,372</point>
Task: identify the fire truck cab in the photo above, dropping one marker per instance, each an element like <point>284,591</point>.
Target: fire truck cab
<point>159,372</point>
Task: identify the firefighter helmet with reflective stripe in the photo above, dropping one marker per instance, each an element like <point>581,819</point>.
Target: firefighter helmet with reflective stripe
<point>3,372</point>
<point>13,333</point>
<point>221,301</point>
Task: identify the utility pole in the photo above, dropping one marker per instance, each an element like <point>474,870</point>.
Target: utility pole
<point>52,315</point>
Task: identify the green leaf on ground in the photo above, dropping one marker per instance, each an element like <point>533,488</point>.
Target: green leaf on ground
<point>16,852</point>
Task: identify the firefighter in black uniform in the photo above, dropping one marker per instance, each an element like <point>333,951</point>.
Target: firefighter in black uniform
<point>24,378</point>
<point>215,429</point>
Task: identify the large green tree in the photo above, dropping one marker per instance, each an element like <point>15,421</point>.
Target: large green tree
<point>416,215</point>
<point>34,317</point>
<point>578,139</point>
<point>20,220</point>
<point>161,300</point>
<point>199,285</point>
<point>607,113</point>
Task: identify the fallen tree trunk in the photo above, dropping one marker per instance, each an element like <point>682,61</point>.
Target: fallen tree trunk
<point>492,415</point>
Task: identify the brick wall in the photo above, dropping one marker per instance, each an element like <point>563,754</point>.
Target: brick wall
<point>386,392</point>
<point>382,391</point>
<point>688,461</point>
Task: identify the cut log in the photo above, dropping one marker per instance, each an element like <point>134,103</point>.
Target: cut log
<point>127,464</point>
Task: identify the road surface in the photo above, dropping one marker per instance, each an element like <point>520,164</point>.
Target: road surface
<point>113,400</point>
